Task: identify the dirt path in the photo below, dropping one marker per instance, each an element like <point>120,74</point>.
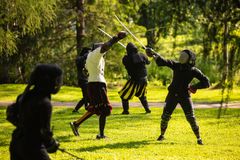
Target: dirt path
<point>138,104</point>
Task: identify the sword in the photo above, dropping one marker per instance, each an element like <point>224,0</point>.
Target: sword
<point>64,151</point>
<point>129,31</point>
<point>111,37</point>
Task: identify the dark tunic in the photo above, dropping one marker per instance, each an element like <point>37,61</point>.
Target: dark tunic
<point>32,135</point>
<point>183,74</point>
<point>135,65</point>
<point>82,75</point>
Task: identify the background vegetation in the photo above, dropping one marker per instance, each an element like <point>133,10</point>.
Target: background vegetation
<point>54,31</point>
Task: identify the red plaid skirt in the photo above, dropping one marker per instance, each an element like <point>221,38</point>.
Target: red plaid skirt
<point>98,100</point>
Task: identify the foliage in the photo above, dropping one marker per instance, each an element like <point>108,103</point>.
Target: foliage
<point>221,23</point>
<point>19,18</point>
<point>34,32</point>
<point>21,23</point>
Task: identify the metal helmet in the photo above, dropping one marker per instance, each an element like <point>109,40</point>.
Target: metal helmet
<point>131,49</point>
<point>187,57</point>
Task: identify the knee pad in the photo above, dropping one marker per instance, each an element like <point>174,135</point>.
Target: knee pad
<point>166,116</point>
<point>165,119</point>
<point>192,120</point>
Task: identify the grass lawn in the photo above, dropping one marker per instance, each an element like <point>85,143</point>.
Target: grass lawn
<point>133,137</point>
<point>8,92</point>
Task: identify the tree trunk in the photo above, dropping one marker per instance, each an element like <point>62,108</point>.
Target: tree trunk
<point>4,71</point>
<point>225,72</point>
<point>80,25</point>
<point>225,54</point>
<point>206,43</point>
<point>150,39</point>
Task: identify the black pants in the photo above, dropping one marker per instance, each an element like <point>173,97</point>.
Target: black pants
<point>84,101</point>
<point>172,100</point>
<point>186,103</point>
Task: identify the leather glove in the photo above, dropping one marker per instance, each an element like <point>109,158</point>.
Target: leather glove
<point>149,52</point>
<point>192,90</point>
<point>53,146</point>
<point>121,35</point>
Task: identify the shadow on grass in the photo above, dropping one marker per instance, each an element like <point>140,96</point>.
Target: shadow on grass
<point>133,144</point>
<point>66,138</point>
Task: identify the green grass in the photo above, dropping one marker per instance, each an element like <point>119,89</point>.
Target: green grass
<point>8,92</point>
<point>133,137</point>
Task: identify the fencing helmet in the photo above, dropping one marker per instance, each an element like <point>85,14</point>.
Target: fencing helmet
<point>187,57</point>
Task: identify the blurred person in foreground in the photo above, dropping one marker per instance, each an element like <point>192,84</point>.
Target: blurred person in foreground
<point>33,139</point>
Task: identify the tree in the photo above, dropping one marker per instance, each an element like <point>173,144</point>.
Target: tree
<point>20,20</point>
<point>220,20</point>
<point>159,17</point>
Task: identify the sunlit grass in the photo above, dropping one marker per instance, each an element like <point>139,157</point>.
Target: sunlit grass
<point>134,136</point>
<point>8,92</point>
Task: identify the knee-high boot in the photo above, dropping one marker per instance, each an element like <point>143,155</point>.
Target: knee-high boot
<point>125,105</point>
<point>145,104</point>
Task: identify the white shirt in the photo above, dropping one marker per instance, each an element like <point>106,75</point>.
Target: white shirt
<point>95,64</point>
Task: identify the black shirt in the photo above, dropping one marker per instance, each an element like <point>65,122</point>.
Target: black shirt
<point>34,119</point>
<point>136,65</point>
<point>82,75</point>
<point>183,74</point>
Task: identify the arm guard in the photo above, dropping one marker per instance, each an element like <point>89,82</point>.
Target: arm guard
<point>106,46</point>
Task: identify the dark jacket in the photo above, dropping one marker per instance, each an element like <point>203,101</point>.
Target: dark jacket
<point>183,74</point>
<point>82,73</point>
<point>33,127</point>
<point>136,65</point>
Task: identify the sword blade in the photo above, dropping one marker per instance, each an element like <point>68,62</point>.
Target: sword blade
<point>130,32</point>
<point>111,37</point>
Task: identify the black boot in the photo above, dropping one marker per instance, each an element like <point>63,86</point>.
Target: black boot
<point>125,105</point>
<point>145,104</point>
<point>161,138</point>
<point>199,141</point>
<point>102,122</point>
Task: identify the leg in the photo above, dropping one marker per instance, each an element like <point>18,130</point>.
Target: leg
<point>102,108</point>
<point>79,105</point>
<point>85,95</point>
<point>186,104</point>
<point>83,118</point>
<point>127,93</point>
<point>84,100</point>
<point>171,103</point>
<point>125,105</point>
<point>74,125</point>
<point>102,122</point>
<point>144,102</point>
